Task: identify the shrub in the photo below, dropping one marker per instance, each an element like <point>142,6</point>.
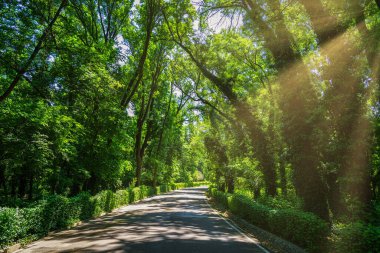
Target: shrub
<point>355,237</point>
<point>281,202</point>
<point>247,209</point>
<point>134,194</point>
<point>220,197</point>
<point>104,201</point>
<point>10,225</point>
<point>72,212</point>
<point>122,198</point>
<point>146,191</point>
<point>87,204</point>
<point>180,185</point>
<point>200,183</point>
<point>32,221</point>
<point>54,213</point>
<point>189,184</point>
<point>301,228</point>
<point>164,188</point>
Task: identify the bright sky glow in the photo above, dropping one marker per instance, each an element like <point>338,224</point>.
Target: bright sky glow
<point>218,21</point>
<point>130,110</point>
<point>124,50</point>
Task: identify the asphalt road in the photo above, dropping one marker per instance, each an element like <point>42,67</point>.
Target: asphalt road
<point>176,222</point>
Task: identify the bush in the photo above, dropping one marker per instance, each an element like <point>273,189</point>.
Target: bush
<point>190,184</point>
<point>281,202</point>
<point>122,198</point>
<point>32,221</point>
<point>355,237</point>
<point>104,201</point>
<point>146,191</point>
<point>134,195</point>
<point>87,204</point>
<point>301,228</point>
<point>177,186</point>
<point>164,188</point>
<point>247,209</point>
<point>54,210</point>
<point>10,225</point>
<point>220,197</point>
<point>200,183</point>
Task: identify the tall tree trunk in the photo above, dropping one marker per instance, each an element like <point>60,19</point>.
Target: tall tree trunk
<point>139,165</point>
<point>138,140</point>
<point>155,176</point>
<point>139,72</point>
<point>75,189</point>
<point>13,186</point>
<point>30,193</point>
<point>257,193</point>
<point>145,109</point>
<point>2,178</point>
<point>220,186</point>
<point>22,180</point>
<point>141,145</point>
<point>230,182</point>
<point>283,181</point>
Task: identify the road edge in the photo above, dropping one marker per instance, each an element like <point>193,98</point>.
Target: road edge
<point>233,225</point>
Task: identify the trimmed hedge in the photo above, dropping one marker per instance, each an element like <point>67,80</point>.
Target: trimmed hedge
<point>59,212</point>
<point>302,228</point>
<point>355,237</point>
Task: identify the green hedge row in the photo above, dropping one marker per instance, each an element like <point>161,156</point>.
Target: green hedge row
<point>301,228</point>
<point>58,212</point>
<point>355,237</point>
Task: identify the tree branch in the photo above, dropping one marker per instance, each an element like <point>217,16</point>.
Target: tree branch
<point>43,37</point>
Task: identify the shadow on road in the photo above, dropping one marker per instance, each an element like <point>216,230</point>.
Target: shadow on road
<point>180,221</point>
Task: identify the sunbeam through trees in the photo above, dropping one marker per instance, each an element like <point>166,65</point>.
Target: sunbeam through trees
<point>274,102</point>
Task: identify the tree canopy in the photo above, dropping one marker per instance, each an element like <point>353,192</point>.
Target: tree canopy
<point>275,98</point>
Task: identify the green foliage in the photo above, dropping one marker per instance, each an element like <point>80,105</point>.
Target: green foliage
<point>122,198</point>
<point>355,237</point>
<point>164,188</point>
<point>135,195</point>
<point>54,212</point>
<point>281,202</point>
<point>219,196</point>
<point>10,225</point>
<point>301,228</point>
<point>269,103</point>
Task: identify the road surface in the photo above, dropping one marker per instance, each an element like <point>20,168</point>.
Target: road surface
<point>176,222</point>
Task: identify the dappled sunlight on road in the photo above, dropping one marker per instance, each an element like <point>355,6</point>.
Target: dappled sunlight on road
<point>180,221</point>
